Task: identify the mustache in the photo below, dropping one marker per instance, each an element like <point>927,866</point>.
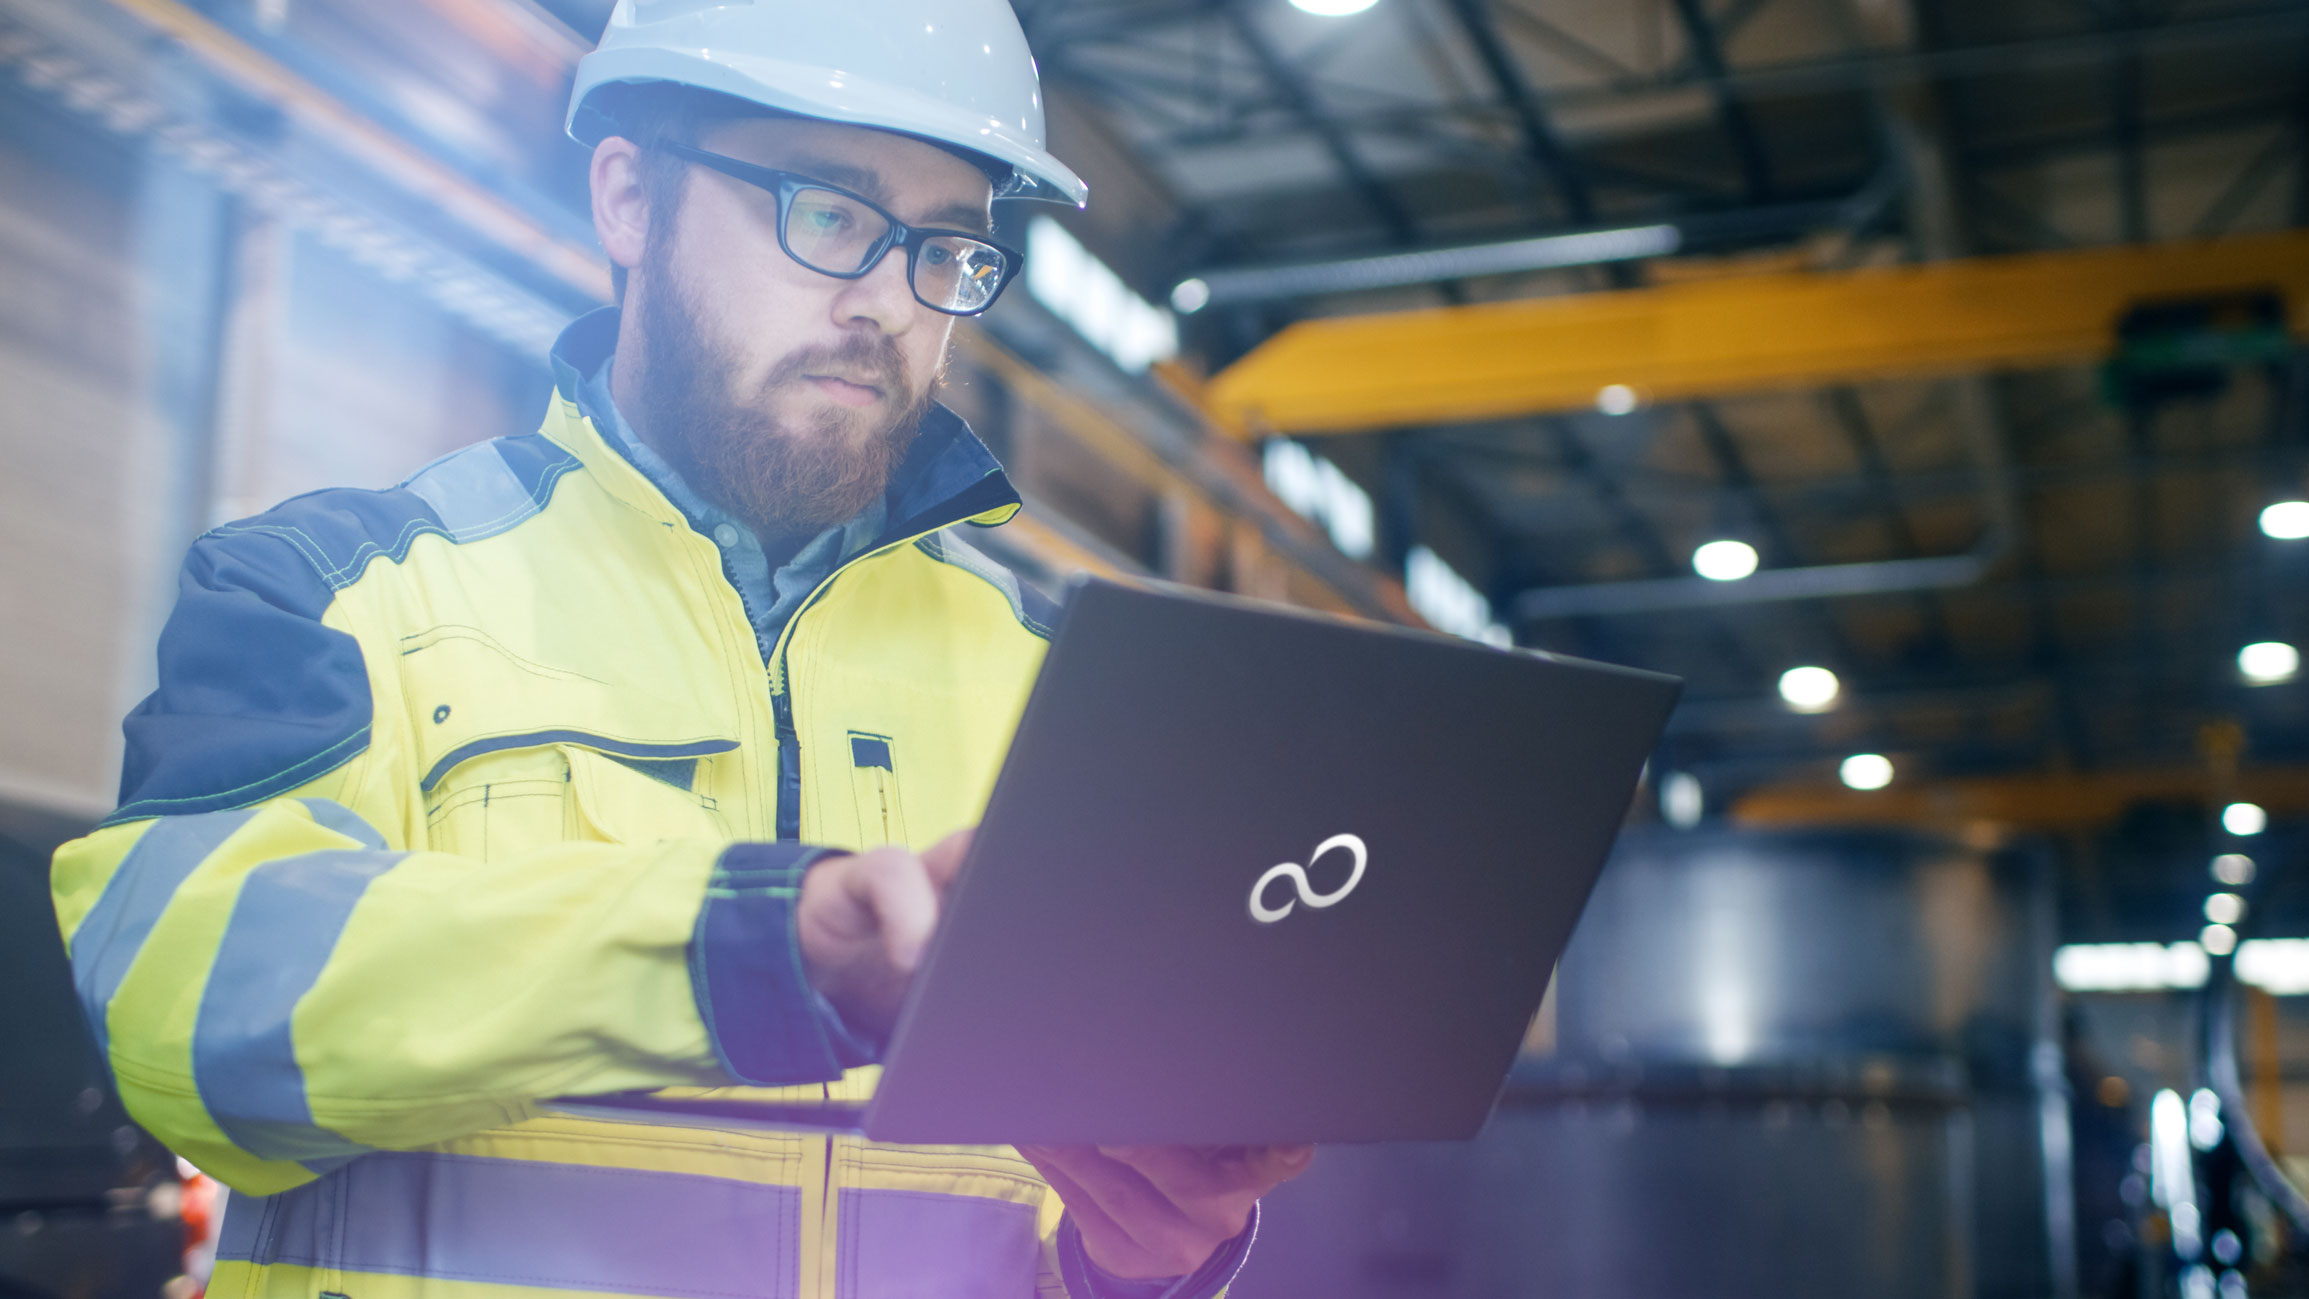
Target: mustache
<point>871,357</point>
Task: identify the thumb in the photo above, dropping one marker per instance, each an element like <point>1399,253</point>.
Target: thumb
<point>895,886</point>
<point>943,859</point>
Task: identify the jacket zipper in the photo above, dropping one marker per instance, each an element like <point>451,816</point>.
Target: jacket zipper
<point>790,808</point>
<point>789,756</point>
<point>781,692</point>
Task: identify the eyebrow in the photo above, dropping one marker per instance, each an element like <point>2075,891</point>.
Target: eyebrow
<point>951,216</point>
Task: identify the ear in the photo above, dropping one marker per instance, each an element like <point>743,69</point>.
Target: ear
<point>620,201</point>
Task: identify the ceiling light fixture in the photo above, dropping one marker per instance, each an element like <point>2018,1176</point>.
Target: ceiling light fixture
<point>1332,8</point>
<point>1264,283</point>
<point>1616,399</point>
<point>2286,520</point>
<point>2242,819</point>
<point>1724,561</point>
<point>1809,689</point>
<point>2234,869</point>
<point>2224,908</point>
<point>1866,771</point>
<point>2268,662</point>
<point>1682,801</point>
<point>2220,940</point>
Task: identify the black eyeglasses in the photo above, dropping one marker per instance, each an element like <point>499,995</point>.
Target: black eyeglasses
<point>835,232</point>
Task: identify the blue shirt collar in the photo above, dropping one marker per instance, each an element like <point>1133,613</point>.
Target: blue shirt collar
<point>947,476</point>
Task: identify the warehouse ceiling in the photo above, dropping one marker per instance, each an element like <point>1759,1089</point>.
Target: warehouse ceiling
<point>2102,524</point>
<point>2102,633</point>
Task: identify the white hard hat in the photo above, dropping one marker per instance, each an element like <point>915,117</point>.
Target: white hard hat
<point>953,72</point>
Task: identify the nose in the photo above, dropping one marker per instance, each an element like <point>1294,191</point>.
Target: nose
<point>881,299</point>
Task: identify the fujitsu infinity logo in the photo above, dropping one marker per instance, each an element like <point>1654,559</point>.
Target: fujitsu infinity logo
<point>1297,874</point>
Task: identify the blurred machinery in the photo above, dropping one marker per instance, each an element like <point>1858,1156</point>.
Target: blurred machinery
<point>1790,1063</point>
<point>88,1204</point>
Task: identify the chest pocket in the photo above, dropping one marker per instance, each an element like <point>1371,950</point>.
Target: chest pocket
<point>519,755</point>
<point>531,791</point>
<point>874,787</point>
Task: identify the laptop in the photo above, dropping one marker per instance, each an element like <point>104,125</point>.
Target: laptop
<point>1250,875</point>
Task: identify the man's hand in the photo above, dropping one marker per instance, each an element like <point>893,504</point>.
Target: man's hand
<point>863,921</point>
<point>1160,1211</point>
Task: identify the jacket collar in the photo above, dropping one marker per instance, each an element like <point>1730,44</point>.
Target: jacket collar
<point>947,477</point>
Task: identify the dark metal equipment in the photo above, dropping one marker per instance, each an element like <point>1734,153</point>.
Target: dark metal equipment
<point>1782,1065</point>
<point>87,1200</point>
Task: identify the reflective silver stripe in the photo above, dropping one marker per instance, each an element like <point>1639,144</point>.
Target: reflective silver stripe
<point>474,493</point>
<point>330,814</point>
<point>920,1243</point>
<point>520,1222</point>
<point>283,928</point>
<point>950,549</point>
<point>114,930</point>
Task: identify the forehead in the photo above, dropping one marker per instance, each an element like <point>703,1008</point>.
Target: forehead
<point>920,183</point>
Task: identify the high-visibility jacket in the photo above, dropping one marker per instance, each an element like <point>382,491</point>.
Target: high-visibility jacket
<point>478,791</point>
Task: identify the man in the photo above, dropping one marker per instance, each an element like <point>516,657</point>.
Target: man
<point>591,760</point>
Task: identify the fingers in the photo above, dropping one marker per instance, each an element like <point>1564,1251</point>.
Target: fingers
<point>893,886</point>
<point>1111,1244</point>
<point>1179,1172</point>
<point>943,859</point>
<point>1185,1172</point>
<point>1131,1221</point>
<point>1282,1163</point>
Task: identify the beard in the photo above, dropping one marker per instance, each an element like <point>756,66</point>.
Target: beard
<point>782,478</point>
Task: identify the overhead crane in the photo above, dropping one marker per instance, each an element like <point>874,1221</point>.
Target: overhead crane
<point>1711,338</point>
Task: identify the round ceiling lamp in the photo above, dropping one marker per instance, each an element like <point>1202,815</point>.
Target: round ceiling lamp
<point>1724,561</point>
<point>1866,771</point>
<point>2286,520</point>
<point>2268,662</point>
<point>1809,689</point>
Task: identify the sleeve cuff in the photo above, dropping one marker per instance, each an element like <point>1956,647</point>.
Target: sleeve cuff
<point>1087,1280</point>
<point>768,1026</point>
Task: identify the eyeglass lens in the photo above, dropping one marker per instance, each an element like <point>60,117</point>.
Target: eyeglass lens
<point>837,234</point>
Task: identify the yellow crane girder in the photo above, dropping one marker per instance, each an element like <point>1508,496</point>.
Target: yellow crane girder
<point>1736,334</point>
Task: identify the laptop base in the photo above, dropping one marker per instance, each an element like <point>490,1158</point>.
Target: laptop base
<point>842,1117</point>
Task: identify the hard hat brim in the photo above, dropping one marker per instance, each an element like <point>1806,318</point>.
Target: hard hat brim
<point>833,96</point>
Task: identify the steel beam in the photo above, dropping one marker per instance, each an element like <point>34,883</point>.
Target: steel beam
<point>1713,337</point>
<point>2125,110</point>
<point>1539,137</point>
<point>2282,21</point>
<point>1707,55</point>
<point>1897,68</point>
<point>1780,543</point>
<point>1852,420</point>
<point>2046,802</point>
<point>2301,132</point>
<point>1638,530</point>
<point>2251,180</point>
<point>1526,250</point>
<point>1293,88</point>
<point>1568,45</point>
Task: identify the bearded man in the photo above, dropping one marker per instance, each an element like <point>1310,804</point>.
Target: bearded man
<point>633,753</point>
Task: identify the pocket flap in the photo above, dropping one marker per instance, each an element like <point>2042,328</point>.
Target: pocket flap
<point>622,803</point>
<point>470,695</point>
<point>640,751</point>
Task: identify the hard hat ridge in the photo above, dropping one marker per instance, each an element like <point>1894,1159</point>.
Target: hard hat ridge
<point>956,73</point>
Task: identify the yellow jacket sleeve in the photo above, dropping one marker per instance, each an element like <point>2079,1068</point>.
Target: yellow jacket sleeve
<point>278,986</point>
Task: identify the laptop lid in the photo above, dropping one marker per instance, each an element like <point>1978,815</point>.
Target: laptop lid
<point>1422,817</point>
